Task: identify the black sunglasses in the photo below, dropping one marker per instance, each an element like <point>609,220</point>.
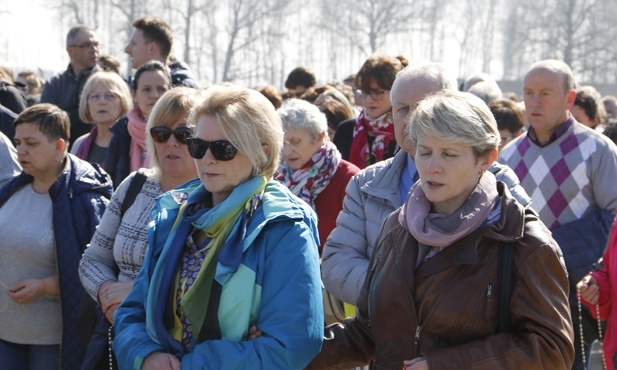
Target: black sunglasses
<point>222,150</point>
<point>161,134</point>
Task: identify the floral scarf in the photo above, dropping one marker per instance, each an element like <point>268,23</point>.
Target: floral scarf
<point>440,231</point>
<point>310,180</point>
<point>381,128</point>
<point>137,130</point>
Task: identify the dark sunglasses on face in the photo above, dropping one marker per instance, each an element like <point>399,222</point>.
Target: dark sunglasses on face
<point>161,134</point>
<point>222,150</point>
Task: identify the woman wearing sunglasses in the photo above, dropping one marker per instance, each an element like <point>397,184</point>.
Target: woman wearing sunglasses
<point>128,149</point>
<point>240,250</point>
<point>104,99</point>
<point>118,247</point>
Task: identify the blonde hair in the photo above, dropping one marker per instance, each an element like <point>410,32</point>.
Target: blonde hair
<point>176,103</point>
<point>248,120</point>
<point>114,83</point>
<point>457,117</point>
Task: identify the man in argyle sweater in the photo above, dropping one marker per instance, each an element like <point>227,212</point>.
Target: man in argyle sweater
<point>569,170</point>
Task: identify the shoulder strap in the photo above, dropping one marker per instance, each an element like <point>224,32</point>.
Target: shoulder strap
<point>131,193</point>
<point>506,260</point>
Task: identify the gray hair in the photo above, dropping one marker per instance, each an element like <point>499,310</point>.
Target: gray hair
<point>474,79</point>
<point>457,117</point>
<point>299,114</point>
<point>74,32</point>
<point>488,91</point>
<point>436,72</point>
<point>559,67</point>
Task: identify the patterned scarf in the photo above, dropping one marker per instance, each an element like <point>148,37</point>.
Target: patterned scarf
<point>310,180</point>
<point>137,130</point>
<point>225,225</point>
<point>381,128</point>
<point>437,230</point>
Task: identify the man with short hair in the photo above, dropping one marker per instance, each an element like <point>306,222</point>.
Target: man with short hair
<point>152,39</point>
<point>64,90</point>
<point>376,191</point>
<point>299,80</point>
<point>570,171</point>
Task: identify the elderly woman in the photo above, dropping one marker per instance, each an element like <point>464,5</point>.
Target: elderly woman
<point>47,216</point>
<point>227,251</point>
<point>127,150</point>
<point>104,99</point>
<point>370,138</point>
<point>111,263</point>
<point>432,296</point>
<point>313,168</point>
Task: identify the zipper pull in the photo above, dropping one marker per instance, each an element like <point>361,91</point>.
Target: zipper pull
<point>417,337</point>
<point>489,291</point>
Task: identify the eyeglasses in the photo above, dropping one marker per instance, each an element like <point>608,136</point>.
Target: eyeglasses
<point>222,150</point>
<point>86,45</point>
<point>161,134</point>
<point>376,95</point>
<point>98,96</point>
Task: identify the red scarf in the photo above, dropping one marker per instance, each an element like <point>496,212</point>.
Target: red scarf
<point>381,128</point>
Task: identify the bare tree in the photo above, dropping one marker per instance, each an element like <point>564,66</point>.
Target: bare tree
<point>366,24</point>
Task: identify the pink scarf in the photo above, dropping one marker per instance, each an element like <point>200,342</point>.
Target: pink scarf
<point>440,231</point>
<point>382,128</point>
<point>137,130</point>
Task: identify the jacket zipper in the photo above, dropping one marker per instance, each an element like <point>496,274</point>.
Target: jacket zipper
<point>489,295</point>
<point>417,339</point>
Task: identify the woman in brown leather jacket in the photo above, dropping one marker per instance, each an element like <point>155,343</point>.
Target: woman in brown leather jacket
<point>431,298</point>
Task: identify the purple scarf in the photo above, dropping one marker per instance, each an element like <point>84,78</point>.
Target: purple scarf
<point>439,230</point>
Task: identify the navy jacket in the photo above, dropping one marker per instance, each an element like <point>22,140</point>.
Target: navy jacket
<point>118,159</point>
<point>79,197</point>
<point>64,91</point>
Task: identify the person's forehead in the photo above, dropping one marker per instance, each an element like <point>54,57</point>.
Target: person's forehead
<point>544,77</point>
<point>137,35</point>
<point>86,36</point>
<point>411,91</point>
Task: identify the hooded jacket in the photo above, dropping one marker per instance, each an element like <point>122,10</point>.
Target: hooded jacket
<point>79,198</point>
<point>276,285</point>
<point>446,309</point>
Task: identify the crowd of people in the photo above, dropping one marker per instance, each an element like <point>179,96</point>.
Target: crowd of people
<point>396,219</point>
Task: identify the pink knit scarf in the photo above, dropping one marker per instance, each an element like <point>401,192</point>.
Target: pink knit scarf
<point>137,130</point>
<point>439,230</point>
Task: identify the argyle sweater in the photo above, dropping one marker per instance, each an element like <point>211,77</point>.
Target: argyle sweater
<point>569,178</point>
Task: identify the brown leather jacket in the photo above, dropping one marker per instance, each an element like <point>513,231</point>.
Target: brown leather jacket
<point>446,310</point>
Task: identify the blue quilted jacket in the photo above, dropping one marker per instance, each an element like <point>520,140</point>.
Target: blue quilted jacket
<point>79,196</point>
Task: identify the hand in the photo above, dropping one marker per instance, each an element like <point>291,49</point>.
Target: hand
<point>109,314</point>
<point>113,293</point>
<point>254,332</point>
<point>160,361</point>
<point>415,364</point>
<point>589,289</point>
<point>27,291</point>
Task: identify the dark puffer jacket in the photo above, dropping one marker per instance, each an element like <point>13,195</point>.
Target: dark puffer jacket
<point>79,197</point>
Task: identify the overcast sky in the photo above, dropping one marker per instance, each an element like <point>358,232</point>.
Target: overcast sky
<point>29,36</point>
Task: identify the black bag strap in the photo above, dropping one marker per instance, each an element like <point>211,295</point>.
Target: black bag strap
<point>506,260</point>
<point>137,182</point>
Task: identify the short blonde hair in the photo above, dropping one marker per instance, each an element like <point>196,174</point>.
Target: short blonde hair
<point>114,83</point>
<point>248,120</point>
<point>173,105</point>
<point>457,117</point>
